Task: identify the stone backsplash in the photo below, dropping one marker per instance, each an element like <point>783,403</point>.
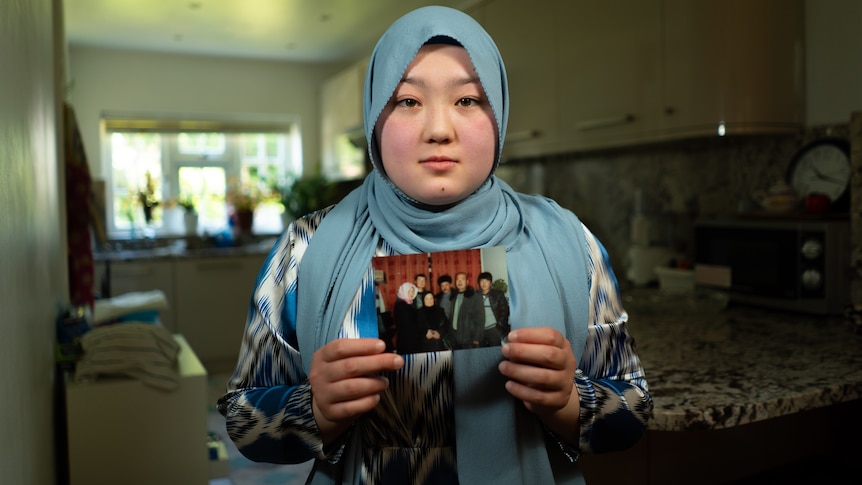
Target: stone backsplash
<point>677,182</point>
<point>855,135</point>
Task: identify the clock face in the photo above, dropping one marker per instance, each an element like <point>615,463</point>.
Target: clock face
<point>821,168</point>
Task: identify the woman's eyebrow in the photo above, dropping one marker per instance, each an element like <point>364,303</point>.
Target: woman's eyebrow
<point>419,82</point>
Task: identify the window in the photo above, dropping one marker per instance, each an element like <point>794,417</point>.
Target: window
<point>155,167</point>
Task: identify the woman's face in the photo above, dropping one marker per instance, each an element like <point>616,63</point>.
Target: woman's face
<point>428,299</point>
<point>437,134</point>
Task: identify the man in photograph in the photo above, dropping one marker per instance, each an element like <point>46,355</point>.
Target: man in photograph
<point>468,315</point>
<point>420,281</point>
<point>444,282</point>
<point>496,312</point>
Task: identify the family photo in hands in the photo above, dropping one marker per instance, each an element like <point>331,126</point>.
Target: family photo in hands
<point>462,307</point>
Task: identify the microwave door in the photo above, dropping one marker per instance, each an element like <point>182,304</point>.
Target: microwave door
<point>752,262</point>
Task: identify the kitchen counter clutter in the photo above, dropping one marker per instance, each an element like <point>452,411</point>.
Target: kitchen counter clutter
<point>725,368</point>
<point>182,250</point>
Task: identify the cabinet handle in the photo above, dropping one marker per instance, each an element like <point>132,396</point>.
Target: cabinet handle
<point>608,122</point>
<point>226,266</point>
<point>121,271</point>
<point>522,136</point>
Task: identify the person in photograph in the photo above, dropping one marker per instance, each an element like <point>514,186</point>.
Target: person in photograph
<point>468,318</point>
<point>313,379</point>
<point>433,322</point>
<point>420,281</point>
<point>496,310</point>
<point>385,323</point>
<point>444,282</point>
<point>408,335</point>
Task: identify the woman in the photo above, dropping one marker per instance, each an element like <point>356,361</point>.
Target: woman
<point>407,332</point>
<point>433,324</point>
<point>314,381</point>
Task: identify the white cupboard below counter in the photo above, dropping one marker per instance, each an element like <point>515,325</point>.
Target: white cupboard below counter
<point>208,298</point>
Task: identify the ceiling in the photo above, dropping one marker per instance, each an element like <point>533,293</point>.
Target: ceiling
<point>289,30</point>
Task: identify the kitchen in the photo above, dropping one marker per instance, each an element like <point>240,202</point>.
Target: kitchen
<point>682,179</point>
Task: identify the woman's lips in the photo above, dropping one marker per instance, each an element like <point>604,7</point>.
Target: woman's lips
<point>438,163</point>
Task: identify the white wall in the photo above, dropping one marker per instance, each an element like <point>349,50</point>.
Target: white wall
<point>115,80</point>
<point>33,279</point>
<point>833,55</point>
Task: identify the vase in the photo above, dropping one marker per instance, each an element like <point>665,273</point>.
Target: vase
<point>191,222</point>
<point>148,213</point>
<point>244,220</point>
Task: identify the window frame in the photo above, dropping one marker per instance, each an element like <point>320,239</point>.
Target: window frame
<point>231,160</point>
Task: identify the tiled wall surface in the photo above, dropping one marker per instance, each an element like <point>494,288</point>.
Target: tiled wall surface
<point>855,135</point>
<point>679,182</point>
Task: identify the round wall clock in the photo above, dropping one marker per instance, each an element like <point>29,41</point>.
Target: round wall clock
<point>821,167</point>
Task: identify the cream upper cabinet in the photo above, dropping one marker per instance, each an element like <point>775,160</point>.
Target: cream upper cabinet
<point>590,74</point>
<point>341,123</point>
<point>735,65</point>
<point>527,41</point>
<point>610,72</point>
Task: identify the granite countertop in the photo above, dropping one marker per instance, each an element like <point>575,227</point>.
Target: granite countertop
<point>181,250</point>
<point>721,368</point>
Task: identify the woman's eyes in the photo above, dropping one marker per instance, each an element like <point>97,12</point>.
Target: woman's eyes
<point>408,103</point>
<point>465,102</point>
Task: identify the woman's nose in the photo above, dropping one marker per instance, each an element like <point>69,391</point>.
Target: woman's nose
<point>438,126</point>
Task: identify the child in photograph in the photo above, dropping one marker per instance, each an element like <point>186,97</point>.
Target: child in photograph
<point>313,379</point>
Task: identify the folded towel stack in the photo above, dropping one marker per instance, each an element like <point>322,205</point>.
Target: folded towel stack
<point>140,306</point>
<point>143,351</point>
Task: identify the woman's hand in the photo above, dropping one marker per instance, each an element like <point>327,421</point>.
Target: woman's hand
<point>344,384</point>
<point>541,368</point>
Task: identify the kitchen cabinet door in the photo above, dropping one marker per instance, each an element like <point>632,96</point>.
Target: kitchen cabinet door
<point>212,305</point>
<point>526,38</point>
<point>610,71</point>
<point>735,62</point>
<point>341,122</point>
<point>133,276</point>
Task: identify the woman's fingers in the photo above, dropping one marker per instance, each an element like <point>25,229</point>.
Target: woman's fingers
<point>540,365</point>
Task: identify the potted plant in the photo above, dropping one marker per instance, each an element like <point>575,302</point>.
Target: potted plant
<point>148,198</point>
<point>244,198</point>
<point>306,194</point>
<point>190,214</point>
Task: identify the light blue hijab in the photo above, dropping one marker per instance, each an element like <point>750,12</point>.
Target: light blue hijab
<point>497,440</point>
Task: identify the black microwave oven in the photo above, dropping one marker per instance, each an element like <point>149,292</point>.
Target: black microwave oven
<point>797,265</point>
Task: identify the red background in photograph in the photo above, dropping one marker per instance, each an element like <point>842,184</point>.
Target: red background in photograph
<point>401,268</point>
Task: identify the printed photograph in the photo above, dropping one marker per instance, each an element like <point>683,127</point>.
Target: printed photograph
<point>450,300</point>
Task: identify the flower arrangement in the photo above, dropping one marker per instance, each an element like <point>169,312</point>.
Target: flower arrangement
<point>147,197</point>
<point>187,202</point>
<point>243,196</point>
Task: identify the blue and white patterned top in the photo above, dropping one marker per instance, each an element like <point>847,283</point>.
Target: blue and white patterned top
<point>409,437</point>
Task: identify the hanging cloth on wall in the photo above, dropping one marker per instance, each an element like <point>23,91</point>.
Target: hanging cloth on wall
<point>78,213</point>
